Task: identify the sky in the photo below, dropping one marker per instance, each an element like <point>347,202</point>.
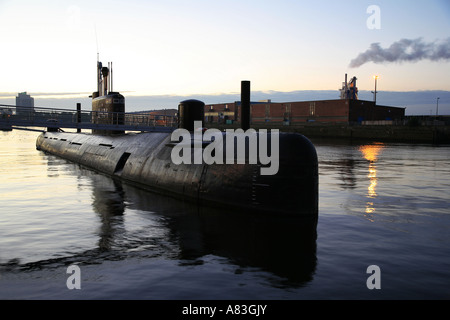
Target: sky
<point>175,47</point>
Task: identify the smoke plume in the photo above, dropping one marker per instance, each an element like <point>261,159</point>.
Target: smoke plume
<point>404,50</point>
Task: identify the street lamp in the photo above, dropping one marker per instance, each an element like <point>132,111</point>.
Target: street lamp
<point>437,106</point>
<point>375,92</point>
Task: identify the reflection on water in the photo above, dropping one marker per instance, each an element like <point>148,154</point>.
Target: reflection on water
<point>370,153</point>
<point>133,222</point>
<point>285,247</point>
<point>108,203</point>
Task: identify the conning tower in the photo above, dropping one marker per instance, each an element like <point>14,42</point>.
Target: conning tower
<point>108,107</point>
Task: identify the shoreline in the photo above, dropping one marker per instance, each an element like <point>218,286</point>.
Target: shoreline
<point>382,133</point>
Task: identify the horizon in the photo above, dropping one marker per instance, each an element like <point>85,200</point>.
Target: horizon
<point>420,102</point>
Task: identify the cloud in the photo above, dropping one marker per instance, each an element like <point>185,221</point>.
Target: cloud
<point>404,50</point>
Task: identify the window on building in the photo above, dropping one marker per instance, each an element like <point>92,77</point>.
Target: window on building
<point>312,108</point>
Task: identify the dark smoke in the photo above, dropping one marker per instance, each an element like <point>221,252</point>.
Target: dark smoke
<point>404,50</point>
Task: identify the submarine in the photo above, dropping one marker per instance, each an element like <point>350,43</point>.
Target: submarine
<point>146,159</point>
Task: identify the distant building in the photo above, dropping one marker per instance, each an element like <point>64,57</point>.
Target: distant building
<point>347,110</point>
<point>24,103</point>
<point>343,111</point>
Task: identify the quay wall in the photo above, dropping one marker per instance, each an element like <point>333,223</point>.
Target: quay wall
<point>386,133</point>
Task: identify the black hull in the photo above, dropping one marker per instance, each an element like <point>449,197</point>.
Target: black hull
<point>145,159</point>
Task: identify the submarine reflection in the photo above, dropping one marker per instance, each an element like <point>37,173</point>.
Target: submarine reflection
<point>283,246</point>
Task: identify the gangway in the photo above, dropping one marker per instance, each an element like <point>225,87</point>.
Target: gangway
<point>13,117</point>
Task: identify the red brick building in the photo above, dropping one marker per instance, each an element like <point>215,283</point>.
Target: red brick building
<point>344,111</point>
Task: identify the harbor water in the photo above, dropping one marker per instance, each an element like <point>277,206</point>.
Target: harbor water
<point>383,232</point>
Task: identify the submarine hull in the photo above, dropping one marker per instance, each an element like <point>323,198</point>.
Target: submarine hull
<point>145,159</point>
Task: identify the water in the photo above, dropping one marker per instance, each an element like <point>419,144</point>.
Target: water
<point>380,204</point>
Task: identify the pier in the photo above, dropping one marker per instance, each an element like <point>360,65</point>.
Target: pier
<point>54,119</point>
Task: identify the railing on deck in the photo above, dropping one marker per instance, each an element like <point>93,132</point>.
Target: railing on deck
<point>64,118</point>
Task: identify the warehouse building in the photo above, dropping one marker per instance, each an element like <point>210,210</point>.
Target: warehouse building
<point>346,110</point>
<point>342,111</point>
